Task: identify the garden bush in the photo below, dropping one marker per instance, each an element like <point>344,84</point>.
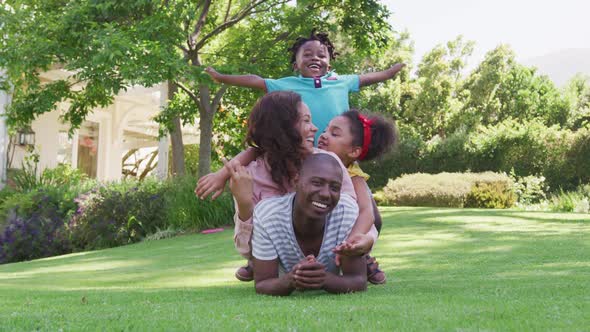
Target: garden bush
<point>578,157</point>
<point>527,148</point>
<point>403,159</point>
<point>185,211</point>
<point>451,190</point>
<point>529,189</point>
<point>446,155</point>
<point>491,195</point>
<point>64,214</point>
<point>571,201</point>
<point>37,230</point>
<point>116,214</point>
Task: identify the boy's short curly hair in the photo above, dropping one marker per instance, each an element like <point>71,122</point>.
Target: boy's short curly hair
<point>322,37</point>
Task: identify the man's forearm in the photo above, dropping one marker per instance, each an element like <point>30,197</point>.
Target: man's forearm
<point>345,284</point>
<point>281,286</point>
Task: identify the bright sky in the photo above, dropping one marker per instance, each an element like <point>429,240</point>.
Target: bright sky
<point>532,28</point>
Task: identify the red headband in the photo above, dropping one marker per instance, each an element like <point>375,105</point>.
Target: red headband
<point>366,135</point>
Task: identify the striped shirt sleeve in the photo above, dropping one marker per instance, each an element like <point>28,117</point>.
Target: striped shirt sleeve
<point>262,246</point>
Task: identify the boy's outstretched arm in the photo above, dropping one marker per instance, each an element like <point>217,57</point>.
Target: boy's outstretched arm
<point>380,76</point>
<point>247,81</point>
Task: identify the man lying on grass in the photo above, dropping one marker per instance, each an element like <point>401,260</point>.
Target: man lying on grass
<point>298,232</point>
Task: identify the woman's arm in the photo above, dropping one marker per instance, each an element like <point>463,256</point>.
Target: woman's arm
<point>247,81</point>
<point>214,183</point>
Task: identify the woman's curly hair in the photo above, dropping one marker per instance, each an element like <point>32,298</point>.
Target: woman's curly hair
<point>271,130</point>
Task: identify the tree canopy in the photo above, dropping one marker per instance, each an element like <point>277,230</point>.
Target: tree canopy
<point>108,46</point>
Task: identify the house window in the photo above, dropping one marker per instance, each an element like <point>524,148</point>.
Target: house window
<point>64,149</point>
<point>88,148</point>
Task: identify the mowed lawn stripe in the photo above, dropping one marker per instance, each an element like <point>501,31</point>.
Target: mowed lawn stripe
<point>447,269</point>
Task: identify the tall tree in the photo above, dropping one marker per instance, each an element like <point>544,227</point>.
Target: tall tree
<point>577,93</point>
<point>109,45</point>
<point>500,88</point>
<point>439,75</point>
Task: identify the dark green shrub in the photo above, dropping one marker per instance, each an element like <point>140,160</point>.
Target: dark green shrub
<point>5,194</point>
<point>530,148</point>
<point>185,211</point>
<point>118,213</point>
<point>403,159</point>
<point>578,157</point>
<point>490,195</point>
<point>446,155</point>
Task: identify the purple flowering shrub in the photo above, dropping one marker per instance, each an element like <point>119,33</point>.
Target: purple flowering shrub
<point>34,232</point>
<point>60,217</point>
<point>117,214</point>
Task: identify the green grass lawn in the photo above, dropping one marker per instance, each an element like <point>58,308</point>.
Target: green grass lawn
<point>448,269</point>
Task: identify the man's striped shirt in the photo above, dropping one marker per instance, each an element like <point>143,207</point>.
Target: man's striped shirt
<point>274,236</point>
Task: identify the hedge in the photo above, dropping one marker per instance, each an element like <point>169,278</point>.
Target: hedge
<point>479,190</point>
<point>560,155</point>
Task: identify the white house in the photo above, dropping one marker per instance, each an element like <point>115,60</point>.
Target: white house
<point>98,146</point>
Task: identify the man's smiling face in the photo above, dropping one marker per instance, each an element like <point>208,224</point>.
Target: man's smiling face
<point>318,187</point>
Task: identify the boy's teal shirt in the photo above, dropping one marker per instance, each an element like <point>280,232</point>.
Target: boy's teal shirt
<point>325,102</point>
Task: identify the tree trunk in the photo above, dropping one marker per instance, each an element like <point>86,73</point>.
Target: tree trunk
<point>178,168</point>
<point>206,132</point>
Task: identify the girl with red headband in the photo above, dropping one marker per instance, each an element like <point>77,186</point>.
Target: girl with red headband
<point>355,137</point>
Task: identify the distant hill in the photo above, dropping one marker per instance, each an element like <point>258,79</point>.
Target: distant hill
<point>562,65</point>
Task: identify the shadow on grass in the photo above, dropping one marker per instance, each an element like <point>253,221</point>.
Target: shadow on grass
<point>448,269</point>
<point>458,246</point>
<point>442,245</point>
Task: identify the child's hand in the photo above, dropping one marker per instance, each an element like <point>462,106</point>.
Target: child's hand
<point>240,183</point>
<point>213,73</point>
<point>212,183</point>
<point>355,245</point>
<point>397,67</point>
